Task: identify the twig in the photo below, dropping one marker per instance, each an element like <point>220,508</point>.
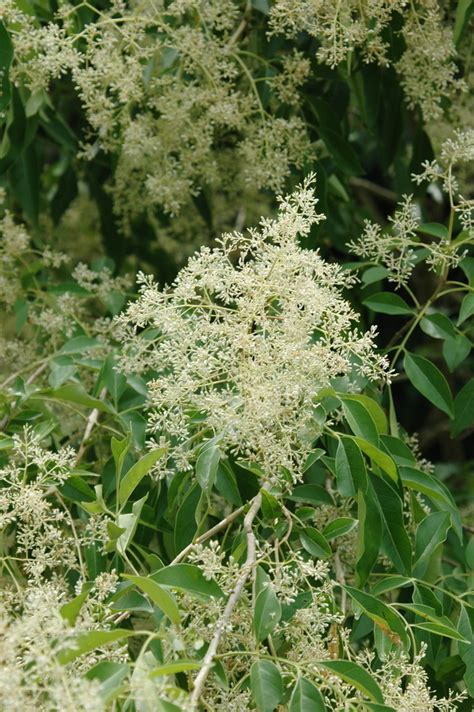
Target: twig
<point>210,532</point>
<point>385,193</point>
<point>91,421</point>
<point>231,602</point>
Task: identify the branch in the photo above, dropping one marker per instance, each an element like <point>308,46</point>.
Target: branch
<point>231,602</point>
<point>210,532</point>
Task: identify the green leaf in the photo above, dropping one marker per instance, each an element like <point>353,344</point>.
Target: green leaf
<point>266,685</point>
<point>464,11</point>
<point>6,57</point>
<point>369,534</point>
<point>267,613</point>
<point>438,326</point>
<point>70,611</point>
<point>374,274</point>
<point>467,308</point>
<point>129,523</point>
<point>158,595</point>
<point>384,616</point>
<point>110,675</point>
<point>75,393</point>
<point>440,629</point>
<point>429,381</point>
<point>464,408</point>
<point>174,667</point>
<point>375,411</point>
<point>120,449</point>
<point>388,303</point>
<point>456,350</point>
<point>185,525</point>
<point>360,420</point>
<point>206,466</point>
<point>315,543</point>
<point>137,472</point>
<point>189,578</point>
<point>271,508</point>
<point>434,229</point>
<point>430,533</point>
<point>396,541</point>
<point>438,493</point>
<point>380,458</point>
<point>306,698</point>
<point>339,527</point>
<point>79,344</point>
<point>86,642</point>
<point>356,676</point>
<point>351,474</point>
<point>314,494</point>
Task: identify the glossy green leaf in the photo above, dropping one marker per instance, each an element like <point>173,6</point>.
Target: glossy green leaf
<point>75,393</point>
<point>360,420</point>
<point>464,10</point>
<point>369,534</point>
<point>189,578</point>
<point>464,408</point>
<point>456,350</point>
<point>306,698</point>
<point>384,616</point>
<point>137,472</point>
<point>160,597</point>
<point>206,466</point>
<point>467,308</point>
<point>351,473</point>
<point>267,613</point>
<point>438,326</point>
<point>438,493</point>
<point>313,494</point>
<point>356,676</point>
<point>430,533</point>
<point>129,522</point>
<point>266,685</point>
<point>388,303</point>
<point>429,381</point>
<point>378,457</point>
<point>315,543</point>
<point>395,540</point>
<point>70,611</point>
<point>339,527</point>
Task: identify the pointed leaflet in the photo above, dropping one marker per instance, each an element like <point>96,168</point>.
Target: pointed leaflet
<point>351,474</point>
<point>429,381</point>
<point>383,615</point>
<point>396,541</point>
<point>431,532</point>
<point>189,578</point>
<point>306,698</point>
<point>464,408</point>
<point>266,685</point>
<point>356,676</point>
<point>360,420</point>
<point>137,472</point>
<point>369,534</point>
<point>206,466</point>
<point>388,303</point>
<point>85,642</point>
<point>158,595</point>
<point>378,457</point>
<point>267,612</point>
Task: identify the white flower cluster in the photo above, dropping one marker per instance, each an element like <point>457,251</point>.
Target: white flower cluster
<point>427,69</point>
<point>397,248</point>
<point>167,90</point>
<point>245,340</point>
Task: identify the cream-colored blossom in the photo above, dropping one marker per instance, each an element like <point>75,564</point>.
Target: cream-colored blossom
<point>245,340</point>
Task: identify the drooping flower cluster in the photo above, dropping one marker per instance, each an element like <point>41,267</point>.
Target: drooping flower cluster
<point>167,90</point>
<point>245,340</point>
<point>427,69</point>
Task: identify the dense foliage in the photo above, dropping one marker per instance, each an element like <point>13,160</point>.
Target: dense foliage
<point>244,483</point>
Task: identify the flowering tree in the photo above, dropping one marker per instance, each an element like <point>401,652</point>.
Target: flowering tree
<point>240,486</point>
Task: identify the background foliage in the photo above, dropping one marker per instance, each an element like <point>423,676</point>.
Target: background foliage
<point>139,573</point>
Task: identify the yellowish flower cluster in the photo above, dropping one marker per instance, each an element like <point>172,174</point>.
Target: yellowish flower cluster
<point>246,339</point>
